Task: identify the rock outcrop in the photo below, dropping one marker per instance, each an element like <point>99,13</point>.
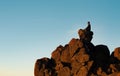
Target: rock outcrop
<point>80,58</point>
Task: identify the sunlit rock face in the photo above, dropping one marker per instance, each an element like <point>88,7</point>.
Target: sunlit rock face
<point>80,58</point>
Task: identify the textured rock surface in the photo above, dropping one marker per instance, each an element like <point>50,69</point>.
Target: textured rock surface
<point>80,58</point>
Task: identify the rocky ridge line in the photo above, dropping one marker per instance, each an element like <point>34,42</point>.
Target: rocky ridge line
<point>80,58</point>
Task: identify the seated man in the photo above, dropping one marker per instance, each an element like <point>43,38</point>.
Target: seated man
<point>86,34</point>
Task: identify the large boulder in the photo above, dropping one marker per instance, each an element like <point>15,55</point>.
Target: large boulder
<point>74,44</point>
<point>117,53</point>
<point>114,66</point>
<point>56,55</point>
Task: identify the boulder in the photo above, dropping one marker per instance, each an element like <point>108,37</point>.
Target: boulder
<point>117,53</point>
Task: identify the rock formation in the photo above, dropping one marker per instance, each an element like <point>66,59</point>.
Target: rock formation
<point>80,58</point>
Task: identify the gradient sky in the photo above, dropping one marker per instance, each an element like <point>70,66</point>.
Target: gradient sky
<point>32,29</point>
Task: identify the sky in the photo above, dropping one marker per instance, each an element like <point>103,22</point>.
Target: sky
<point>32,29</point>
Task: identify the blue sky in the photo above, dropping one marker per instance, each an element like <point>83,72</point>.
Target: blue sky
<point>32,29</point>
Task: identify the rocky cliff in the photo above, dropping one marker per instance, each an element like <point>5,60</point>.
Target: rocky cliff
<point>80,58</point>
